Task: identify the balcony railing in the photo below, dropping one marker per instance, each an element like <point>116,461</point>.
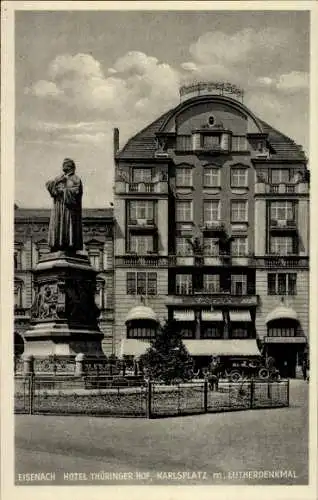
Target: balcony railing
<point>158,187</point>
<point>141,224</point>
<point>264,188</point>
<point>141,261</point>
<point>213,226</point>
<point>283,224</point>
<point>210,260</point>
<point>281,261</point>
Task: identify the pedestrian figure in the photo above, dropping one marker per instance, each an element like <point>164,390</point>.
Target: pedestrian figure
<point>304,368</point>
<point>213,375</point>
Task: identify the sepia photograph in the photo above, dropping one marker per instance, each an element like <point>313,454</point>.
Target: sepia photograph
<point>161,246</point>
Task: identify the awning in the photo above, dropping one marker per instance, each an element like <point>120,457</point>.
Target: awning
<point>212,316</point>
<point>222,347</point>
<point>240,316</point>
<point>133,347</point>
<point>285,340</point>
<point>141,313</point>
<point>282,312</point>
<point>183,315</point>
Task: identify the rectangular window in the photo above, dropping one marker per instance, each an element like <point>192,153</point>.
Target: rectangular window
<point>282,210</point>
<point>211,283</point>
<point>238,284</point>
<point>240,332</point>
<point>141,209</point>
<point>239,211</point>
<point>183,284</point>
<point>212,332</point>
<point>142,175</point>
<point>184,177</point>
<point>211,141</point>
<point>279,176</point>
<point>239,143</point>
<point>282,284</point>
<point>211,210</point>
<point>211,177</point>
<point>141,283</point>
<point>18,295</point>
<point>282,332</point>
<point>239,247</point>
<point>141,333</point>
<point>187,332</point>
<point>17,257</point>
<point>239,177</point>
<point>183,247</point>
<point>210,247</point>
<point>141,244</point>
<point>184,211</point>
<point>282,245</point>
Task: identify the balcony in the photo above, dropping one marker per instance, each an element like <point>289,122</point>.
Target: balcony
<point>278,189</point>
<point>215,226</point>
<point>131,188</point>
<point>283,225</point>
<point>142,225</point>
<point>141,261</point>
<point>212,299</point>
<point>281,261</point>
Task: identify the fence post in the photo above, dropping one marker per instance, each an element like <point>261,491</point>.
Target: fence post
<point>269,390</point>
<point>252,393</point>
<point>28,364</point>
<point>79,362</point>
<point>31,392</point>
<point>287,392</point>
<point>205,396</point>
<point>149,399</point>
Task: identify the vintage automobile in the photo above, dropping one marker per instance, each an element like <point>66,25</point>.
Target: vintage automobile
<point>236,368</point>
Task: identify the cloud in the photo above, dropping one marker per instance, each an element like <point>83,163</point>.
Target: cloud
<point>44,88</point>
<point>296,80</point>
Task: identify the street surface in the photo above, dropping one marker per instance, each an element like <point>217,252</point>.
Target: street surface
<point>203,449</point>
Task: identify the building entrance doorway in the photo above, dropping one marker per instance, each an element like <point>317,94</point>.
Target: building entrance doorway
<point>285,358</point>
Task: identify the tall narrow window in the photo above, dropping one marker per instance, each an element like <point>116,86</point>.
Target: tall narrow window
<point>210,247</point>
<point>18,299</point>
<point>184,211</point>
<point>184,177</point>
<point>211,283</point>
<point>211,177</point>
<point>239,177</point>
<point>183,247</point>
<point>239,284</point>
<point>183,284</point>
<point>211,210</point>
<point>239,211</point>
<point>239,247</point>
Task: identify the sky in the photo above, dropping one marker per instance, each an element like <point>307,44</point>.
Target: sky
<point>79,74</point>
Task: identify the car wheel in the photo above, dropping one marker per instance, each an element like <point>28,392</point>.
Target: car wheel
<point>235,376</point>
<point>263,373</point>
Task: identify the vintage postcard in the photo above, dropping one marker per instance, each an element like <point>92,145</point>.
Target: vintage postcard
<point>158,249</point>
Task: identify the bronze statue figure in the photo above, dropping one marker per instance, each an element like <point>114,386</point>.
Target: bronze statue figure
<point>65,229</point>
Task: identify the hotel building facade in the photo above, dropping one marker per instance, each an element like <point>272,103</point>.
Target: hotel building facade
<point>211,228</point>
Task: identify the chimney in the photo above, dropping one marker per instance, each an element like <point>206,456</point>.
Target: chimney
<point>116,140</point>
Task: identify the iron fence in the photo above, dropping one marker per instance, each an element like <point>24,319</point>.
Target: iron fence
<point>78,396</point>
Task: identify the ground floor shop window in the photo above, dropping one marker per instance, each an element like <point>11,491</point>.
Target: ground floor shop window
<point>211,331</point>
<point>240,332</point>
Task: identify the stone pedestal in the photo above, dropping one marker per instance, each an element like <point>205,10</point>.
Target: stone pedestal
<point>64,316</point>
